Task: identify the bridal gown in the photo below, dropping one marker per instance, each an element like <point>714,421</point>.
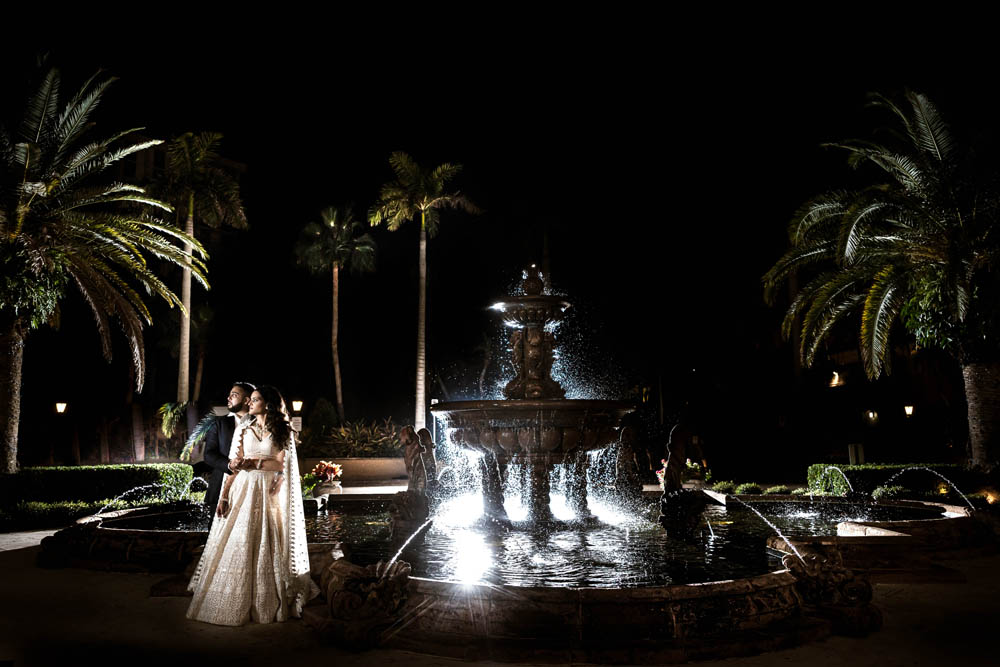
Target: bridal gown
<point>255,566</point>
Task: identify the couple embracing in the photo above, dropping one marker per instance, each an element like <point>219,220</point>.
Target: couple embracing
<point>255,566</point>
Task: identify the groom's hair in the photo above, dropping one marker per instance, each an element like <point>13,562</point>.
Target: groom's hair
<point>246,387</point>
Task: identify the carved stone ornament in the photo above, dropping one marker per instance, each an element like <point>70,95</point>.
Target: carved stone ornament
<point>841,595</point>
<point>364,601</point>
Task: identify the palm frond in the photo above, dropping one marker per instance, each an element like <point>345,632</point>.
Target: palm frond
<point>931,133</point>
<point>197,435</point>
<point>42,108</point>
<point>882,304</point>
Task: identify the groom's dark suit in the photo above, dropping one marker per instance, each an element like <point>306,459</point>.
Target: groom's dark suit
<point>218,439</point>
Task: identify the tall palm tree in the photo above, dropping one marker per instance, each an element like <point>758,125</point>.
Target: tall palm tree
<point>60,224</point>
<point>201,187</point>
<point>422,193</point>
<point>332,245</point>
<point>920,246</point>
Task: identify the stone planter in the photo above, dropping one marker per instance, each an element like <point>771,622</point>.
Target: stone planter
<point>326,488</point>
<point>361,469</point>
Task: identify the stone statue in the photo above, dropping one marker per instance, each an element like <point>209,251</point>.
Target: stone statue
<point>428,459</point>
<point>412,450</point>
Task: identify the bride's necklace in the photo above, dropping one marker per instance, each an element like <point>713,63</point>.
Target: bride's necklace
<point>257,429</point>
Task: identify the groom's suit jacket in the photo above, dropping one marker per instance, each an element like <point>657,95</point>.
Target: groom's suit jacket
<point>218,439</point>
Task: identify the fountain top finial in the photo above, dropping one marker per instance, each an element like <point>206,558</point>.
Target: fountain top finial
<point>532,284</point>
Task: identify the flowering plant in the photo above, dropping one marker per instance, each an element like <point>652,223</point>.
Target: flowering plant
<point>661,472</point>
<point>326,471</point>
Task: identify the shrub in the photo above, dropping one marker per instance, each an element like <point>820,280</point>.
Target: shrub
<point>93,483</point>
<point>308,482</point>
<point>748,488</point>
<point>356,439</point>
<point>776,490</point>
<point>38,514</point>
<point>886,492</point>
<point>866,477</point>
<point>800,491</point>
<point>724,486</point>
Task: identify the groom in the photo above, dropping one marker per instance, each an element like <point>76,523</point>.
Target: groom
<point>219,437</point>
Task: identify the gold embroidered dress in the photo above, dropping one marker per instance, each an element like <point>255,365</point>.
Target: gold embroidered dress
<point>255,566</point>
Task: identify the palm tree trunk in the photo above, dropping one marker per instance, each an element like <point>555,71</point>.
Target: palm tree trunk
<point>199,371</point>
<point>11,358</point>
<point>184,356</point>
<point>334,341</point>
<point>982,393</point>
<point>419,420</point>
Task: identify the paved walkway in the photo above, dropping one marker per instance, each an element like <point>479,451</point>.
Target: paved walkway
<point>67,616</point>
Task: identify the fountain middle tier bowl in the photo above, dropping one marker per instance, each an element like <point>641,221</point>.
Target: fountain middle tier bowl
<point>554,430</point>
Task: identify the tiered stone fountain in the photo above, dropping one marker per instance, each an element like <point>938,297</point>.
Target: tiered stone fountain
<point>536,426</point>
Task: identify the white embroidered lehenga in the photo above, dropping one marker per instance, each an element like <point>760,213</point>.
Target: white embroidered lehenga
<point>255,566</point>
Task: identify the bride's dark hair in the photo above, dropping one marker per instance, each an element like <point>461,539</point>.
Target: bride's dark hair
<point>276,416</point>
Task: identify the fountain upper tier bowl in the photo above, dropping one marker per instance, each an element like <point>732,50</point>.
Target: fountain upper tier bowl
<point>552,430</point>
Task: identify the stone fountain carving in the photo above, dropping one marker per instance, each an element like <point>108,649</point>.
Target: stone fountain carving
<point>831,590</point>
<point>363,601</point>
<point>536,426</point>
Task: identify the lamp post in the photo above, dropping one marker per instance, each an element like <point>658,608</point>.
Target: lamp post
<point>296,415</point>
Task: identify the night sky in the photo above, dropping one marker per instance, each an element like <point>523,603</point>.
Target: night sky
<point>662,173</point>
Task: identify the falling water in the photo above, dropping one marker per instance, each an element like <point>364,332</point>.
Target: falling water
<point>395,557</point>
<point>828,469</point>
<point>773,527</point>
<point>156,485</point>
<point>946,480</point>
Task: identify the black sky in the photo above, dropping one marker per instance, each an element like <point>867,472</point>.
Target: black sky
<point>662,168</point>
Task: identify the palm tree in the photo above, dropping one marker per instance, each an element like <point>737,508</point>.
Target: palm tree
<point>920,247</point>
<point>201,187</point>
<point>59,225</point>
<point>418,192</point>
<point>332,245</point>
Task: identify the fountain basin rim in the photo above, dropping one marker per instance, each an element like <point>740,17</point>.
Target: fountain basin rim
<point>782,577</point>
<point>501,305</point>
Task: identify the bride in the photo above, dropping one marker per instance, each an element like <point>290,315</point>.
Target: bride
<point>255,566</point>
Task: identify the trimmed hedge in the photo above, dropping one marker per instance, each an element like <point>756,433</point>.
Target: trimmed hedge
<point>748,489</point>
<point>781,489</point>
<point>96,483</point>
<point>867,477</point>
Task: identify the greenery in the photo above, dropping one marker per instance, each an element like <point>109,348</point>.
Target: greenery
<point>93,483</point>
<point>800,491</point>
<point>332,245</point>
<point>748,488</point>
<point>866,477</point>
<point>781,489</point>
<point>693,470</point>
<point>170,415</point>
<point>886,492</point>
<point>356,439</point>
<point>723,486</point>
<point>63,222</point>
<point>308,482</point>
<point>919,246</point>
<point>418,192</point>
